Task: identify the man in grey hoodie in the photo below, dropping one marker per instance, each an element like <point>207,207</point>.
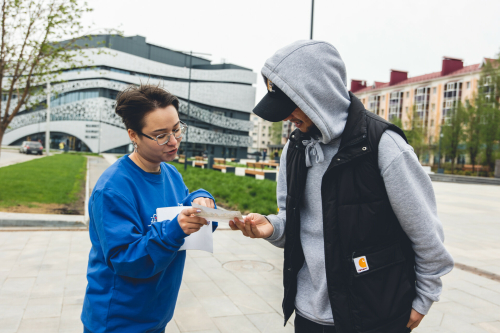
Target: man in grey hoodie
<point>357,214</point>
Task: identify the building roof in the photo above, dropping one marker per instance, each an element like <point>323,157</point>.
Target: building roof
<point>422,78</point>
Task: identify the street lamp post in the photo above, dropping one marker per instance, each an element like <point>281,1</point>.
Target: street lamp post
<point>189,102</point>
<point>47,126</point>
<point>188,110</point>
<point>312,19</point>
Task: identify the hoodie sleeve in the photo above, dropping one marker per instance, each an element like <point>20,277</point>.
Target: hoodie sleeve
<point>279,221</point>
<point>412,198</point>
<point>129,252</point>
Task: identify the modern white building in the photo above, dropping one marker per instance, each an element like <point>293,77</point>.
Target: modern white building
<point>222,97</point>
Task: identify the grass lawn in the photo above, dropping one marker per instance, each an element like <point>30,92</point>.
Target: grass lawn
<point>234,192</point>
<point>58,179</point>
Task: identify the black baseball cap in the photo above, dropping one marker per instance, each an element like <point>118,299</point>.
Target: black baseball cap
<point>276,105</point>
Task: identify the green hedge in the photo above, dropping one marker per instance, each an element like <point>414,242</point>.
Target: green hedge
<point>56,179</point>
<point>234,192</point>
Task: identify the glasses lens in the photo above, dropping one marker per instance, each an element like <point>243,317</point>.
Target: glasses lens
<point>179,134</point>
<point>162,138</point>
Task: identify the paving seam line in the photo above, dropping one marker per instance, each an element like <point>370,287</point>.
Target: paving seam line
<point>478,271</point>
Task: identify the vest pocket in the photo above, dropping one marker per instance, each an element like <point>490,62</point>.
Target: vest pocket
<point>379,287</point>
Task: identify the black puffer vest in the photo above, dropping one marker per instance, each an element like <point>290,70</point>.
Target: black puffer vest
<point>358,221</point>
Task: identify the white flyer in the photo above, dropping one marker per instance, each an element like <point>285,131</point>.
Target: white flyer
<point>200,240</point>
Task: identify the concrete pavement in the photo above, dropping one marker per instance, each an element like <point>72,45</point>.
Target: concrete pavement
<point>239,287</point>
<point>10,156</point>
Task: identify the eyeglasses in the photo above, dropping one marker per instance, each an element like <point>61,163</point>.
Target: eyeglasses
<point>164,138</point>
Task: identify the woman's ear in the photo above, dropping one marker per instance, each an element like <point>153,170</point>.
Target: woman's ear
<point>132,135</point>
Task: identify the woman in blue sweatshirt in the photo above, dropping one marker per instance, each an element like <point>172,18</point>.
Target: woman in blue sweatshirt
<point>135,266</point>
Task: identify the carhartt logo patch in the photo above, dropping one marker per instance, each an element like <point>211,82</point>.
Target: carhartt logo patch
<point>270,85</point>
<point>361,264</point>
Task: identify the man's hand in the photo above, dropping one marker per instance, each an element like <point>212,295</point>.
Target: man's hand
<point>253,226</point>
<point>207,202</point>
<point>189,222</point>
<point>415,319</point>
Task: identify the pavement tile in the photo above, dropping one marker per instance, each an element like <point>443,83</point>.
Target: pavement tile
<point>251,304</point>
<point>270,323</point>
<point>43,308</point>
<point>39,325</point>
<point>204,289</point>
<point>187,321</point>
<point>219,306</point>
<point>232,324</point>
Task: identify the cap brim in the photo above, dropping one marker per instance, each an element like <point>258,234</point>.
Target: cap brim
<point>273,108</point>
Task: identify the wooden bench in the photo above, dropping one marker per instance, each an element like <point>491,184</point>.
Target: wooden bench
<point>255,165</point>
<point>219,161</point>
<point>181,159</point>
<point>224,168</point>
<point>271,164</point>
<point>199,158</point>
<point>255,173</point>
<point>468,167</point>
<point>199,164</point>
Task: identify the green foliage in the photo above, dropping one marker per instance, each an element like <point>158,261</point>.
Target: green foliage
<point>276,130</point>
<point>453,132</point>
<point>234,192</point>
<point>56,179</point>
<point>416,133</point>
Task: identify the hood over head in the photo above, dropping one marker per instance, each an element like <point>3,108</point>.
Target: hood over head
<point>313,75</point>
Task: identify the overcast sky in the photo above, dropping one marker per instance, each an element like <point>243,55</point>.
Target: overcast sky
<point>371,36</point>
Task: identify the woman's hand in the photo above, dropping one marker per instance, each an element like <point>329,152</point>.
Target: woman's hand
<point>189,222</point>
<point>207,202</point>
<point>253,226</point>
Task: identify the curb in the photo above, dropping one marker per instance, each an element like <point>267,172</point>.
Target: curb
<point>86,217</point>
<point>41,220</point>
<point>437,177</point>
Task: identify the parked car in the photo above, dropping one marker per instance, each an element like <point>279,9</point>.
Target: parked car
<point>29,147</point>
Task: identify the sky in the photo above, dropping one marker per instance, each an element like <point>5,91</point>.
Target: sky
<point>372,37</point>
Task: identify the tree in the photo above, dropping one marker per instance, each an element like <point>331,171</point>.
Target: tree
<point>489,101</point>
<point>30,54</point>
<point>416,132</point>
<point>473,115</point>
<point>276,130</point>
<point>453,132</point>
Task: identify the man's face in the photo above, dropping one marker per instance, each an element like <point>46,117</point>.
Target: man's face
<point>301,121</point>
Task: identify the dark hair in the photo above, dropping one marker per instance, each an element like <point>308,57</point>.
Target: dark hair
<point>134,103</point>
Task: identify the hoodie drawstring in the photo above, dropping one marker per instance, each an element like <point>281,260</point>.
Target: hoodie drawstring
<point>313,146</point>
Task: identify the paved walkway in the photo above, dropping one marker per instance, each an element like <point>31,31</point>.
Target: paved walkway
<point>9,157</point>
<point>42,275</point>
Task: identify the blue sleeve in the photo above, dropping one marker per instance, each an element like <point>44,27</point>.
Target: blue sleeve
<point>127,250</point>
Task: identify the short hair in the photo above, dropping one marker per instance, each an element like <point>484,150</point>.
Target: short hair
<point>135,102</point>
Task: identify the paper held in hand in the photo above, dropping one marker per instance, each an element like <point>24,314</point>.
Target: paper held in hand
<point>203,238</point>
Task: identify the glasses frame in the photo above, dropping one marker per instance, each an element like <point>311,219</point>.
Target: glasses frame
<point>183,125</point>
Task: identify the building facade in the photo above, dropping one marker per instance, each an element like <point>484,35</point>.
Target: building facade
<point>432,96</point>
<point>221,98</point>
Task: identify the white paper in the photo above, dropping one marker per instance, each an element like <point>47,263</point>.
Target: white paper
<point>200,240</point>
<point>217,215</point>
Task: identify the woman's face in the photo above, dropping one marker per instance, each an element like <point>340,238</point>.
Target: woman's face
<point>160,121</point>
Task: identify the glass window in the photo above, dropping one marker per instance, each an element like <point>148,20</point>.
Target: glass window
<point>434,90</point>
<point>468,85</point>
<point>407,94</point>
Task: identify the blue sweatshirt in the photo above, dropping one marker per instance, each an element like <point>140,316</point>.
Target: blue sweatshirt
<point>135,268</point>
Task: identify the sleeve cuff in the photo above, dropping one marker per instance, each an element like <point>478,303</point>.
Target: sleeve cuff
<point>277,233</point>
<point>422,304</point>
<point>174,232</point>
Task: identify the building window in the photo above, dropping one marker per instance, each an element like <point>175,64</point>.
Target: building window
<point>263,142</point>
<point>374,104</point>
<point>432,123</point>
<point>383,98</point>
<point>434,90</point>
<point>433,107</point>
<point>406,109</point>
<point>382,112</point>
<point>407,94</point>
<point>396,105</point>
<point>468,85</point>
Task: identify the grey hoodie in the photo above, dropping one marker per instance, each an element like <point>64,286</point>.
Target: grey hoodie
<point>313,75</point>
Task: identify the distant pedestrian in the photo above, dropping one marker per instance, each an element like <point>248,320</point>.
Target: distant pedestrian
<point>276,157</point>
<point>264,154</point>
<point>61,146</point>
<point>363,244</point>
<point>135,266</point>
